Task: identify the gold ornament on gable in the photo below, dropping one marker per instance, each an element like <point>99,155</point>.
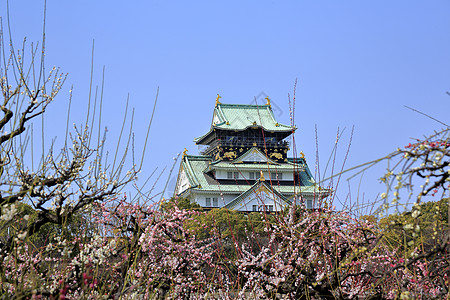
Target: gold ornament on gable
<point>276,155</point>
<point>230,154</point>
<point>217,99</point>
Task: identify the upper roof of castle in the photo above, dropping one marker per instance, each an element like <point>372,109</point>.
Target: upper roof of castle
<point>238,117</point>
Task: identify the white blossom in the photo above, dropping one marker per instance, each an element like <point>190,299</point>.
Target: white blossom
<point>8,213</point>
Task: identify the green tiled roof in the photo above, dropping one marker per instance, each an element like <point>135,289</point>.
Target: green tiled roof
<point>200,181</point>
<point>240,117</point>
<point>192,166</point>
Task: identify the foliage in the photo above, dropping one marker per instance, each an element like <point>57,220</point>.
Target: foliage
<point>425,226</point>
<point>182,203</point>
<point>75,225</point>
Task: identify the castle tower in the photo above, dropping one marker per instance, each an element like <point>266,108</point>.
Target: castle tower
<point>244,165</point>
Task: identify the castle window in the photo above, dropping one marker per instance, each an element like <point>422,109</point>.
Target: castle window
<point>255,207</point>
<point>230,175</point>
<point>270,207</point>
<point>254,175</point>
<point>276,176</point>
<point>270,140</point>
<point>309,204</point>
<point>208,202</point>
<point>236,175</point>
<point>215,202</point>
<point>230,139</point>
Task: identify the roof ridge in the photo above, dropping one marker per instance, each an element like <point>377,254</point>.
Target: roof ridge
<point>244,105</point>
<point>198,156</point>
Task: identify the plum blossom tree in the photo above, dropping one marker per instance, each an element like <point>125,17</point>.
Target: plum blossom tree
<point>60,189</point>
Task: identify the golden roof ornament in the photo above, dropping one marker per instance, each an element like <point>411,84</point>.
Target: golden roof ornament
<point>261,178</point>
<point>184,152</point>
<point>268,100</point>
<point>217,99</point>
<point>302,154</point>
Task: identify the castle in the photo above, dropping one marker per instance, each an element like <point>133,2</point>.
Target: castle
<point>245,166</point>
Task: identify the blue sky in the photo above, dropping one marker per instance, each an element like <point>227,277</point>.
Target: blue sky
<point>357,64</point>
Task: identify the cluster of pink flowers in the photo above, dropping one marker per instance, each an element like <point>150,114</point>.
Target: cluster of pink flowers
<point>436,144</point>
